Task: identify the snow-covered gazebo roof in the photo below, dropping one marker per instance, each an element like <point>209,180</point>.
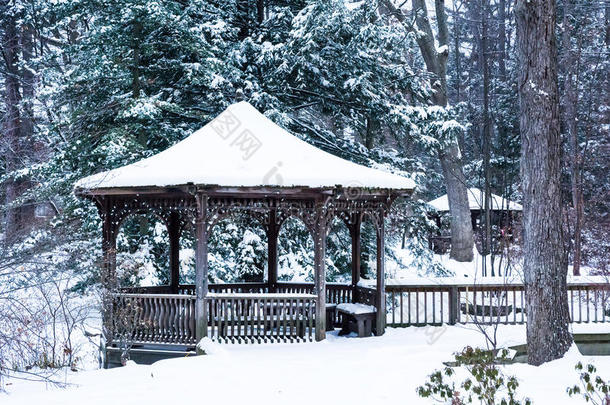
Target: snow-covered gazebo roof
<point>475,202</point>
<point>243,148</point>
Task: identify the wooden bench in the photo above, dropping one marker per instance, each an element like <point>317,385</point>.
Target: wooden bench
<point>357,318</point>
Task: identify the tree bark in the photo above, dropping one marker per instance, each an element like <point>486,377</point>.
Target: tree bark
<point>570,119</point>
<point>260,11</point>
<point>486,136</point>
<point>12,119</point>
<point>544,258</point>
<point>450,157</point>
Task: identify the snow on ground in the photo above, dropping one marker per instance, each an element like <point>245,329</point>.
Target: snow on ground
<point>339,370</point>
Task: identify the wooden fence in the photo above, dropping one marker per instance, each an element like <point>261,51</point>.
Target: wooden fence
<point>153,318</point>
<point>336,293</point>
<point>247,312</point>
<point>240,312</point>
<point>435,304</point>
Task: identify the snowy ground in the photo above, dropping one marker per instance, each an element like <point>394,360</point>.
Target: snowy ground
<point>339,370</point>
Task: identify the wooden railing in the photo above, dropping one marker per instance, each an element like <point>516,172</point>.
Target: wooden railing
<point>258,288</point>
<point>260,318</point>
<point>158,289</point>
<point>153,318</point>
<point>246,312</point>
<point>336,293</point>
<point>294,288</point>
<point>435,304</point>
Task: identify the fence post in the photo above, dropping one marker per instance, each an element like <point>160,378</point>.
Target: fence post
<point>454,305</point>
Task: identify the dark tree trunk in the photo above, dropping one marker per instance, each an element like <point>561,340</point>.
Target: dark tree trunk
<point>607,18</point>
<point>260,11</point>
<point>502,39</point>
<point>486,135</point>
<point>243,18</point>
<point>372,128</point>
<point>544,257</point>
<point>458,57</point>
<point>11,131</point>
<point>28,84</point>
<point>570,119</point>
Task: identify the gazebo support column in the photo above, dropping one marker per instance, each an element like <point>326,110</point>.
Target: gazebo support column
<point>108,279</point>
<point>320,274</point>
<point>273,230</point>
<point>354,230</point>
<point>173,231</point>
<point>380,289</point>
<point>201,267</point>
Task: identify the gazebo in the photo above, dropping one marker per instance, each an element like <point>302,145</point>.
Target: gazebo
<point>240,162</point>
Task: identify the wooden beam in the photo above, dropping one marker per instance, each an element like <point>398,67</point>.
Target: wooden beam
<point>319,235</point>
<point>212,190</point>
<point>108,279</point>
<point>201,266</point>
<point>173,230</point>
<point>273,230</point>
<point>380,290</point>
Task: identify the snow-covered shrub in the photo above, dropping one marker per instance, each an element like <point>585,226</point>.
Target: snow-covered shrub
<point>251,256</point>
<point>295,252</point>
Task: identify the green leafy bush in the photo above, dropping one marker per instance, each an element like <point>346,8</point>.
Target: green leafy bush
<point>592,387</point>
<point>485,384</point>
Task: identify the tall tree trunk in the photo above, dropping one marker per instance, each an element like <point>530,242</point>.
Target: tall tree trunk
<point>458,57</point>
<point>544,258</point>
<point>502,39</point>
<point>607,19</point>
<point>243,18</point>
<point>28,84</point>
<point>260,11</point>
<point>450,157</point>
<point>570,119</point>
<point>486,135</point>
<point>457,38</point>
<point>11,131</point>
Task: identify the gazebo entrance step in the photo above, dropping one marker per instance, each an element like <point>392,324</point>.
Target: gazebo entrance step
<point>147,354</point>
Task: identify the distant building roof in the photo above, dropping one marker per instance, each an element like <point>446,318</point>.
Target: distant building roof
<point>475,202</point>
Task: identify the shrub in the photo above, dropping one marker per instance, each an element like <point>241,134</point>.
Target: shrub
<point>486,383</point>
<point>592,387</point>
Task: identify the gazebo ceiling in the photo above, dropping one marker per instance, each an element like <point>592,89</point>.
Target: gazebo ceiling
<point>241,150</point>
<point>475,202</point>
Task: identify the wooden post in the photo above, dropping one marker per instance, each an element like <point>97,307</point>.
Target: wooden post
<point>380,291</point>
<point>356,248</point>
<point>108,278</point>
<point>320,273</point>
<point>109,231</point>
<point>173,231</point>
<point>454,305</point>
<point>272,235</point>
<point>201,266</point>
